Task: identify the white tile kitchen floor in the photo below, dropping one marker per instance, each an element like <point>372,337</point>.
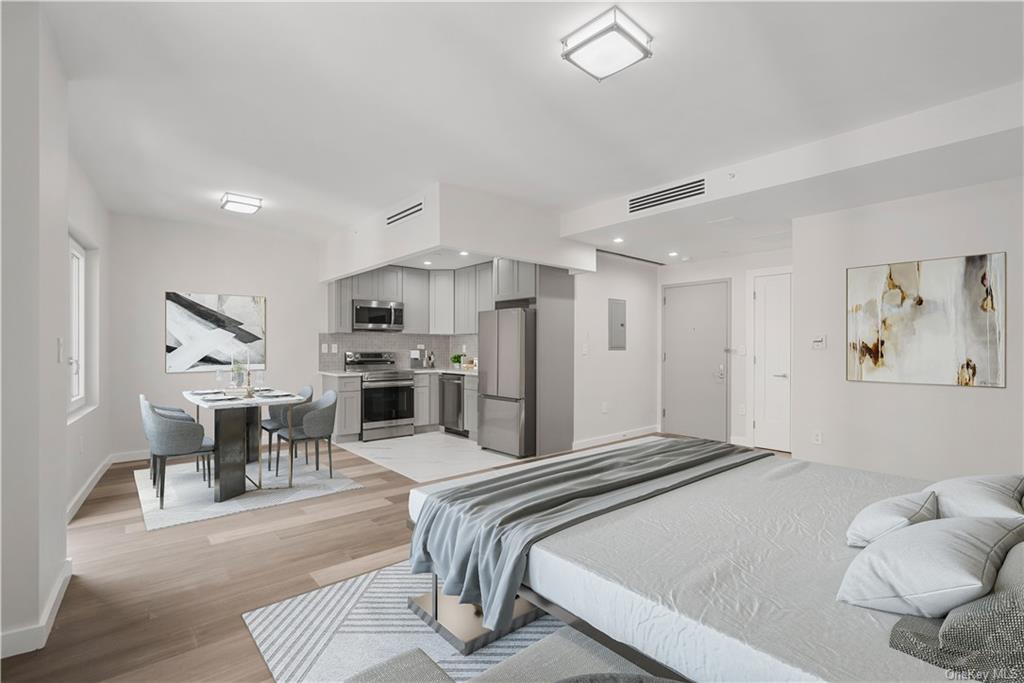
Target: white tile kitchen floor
<point>428,456</point>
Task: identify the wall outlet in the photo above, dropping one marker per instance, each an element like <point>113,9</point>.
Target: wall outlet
<point>323,348</point>
<point>742,409</point>
<point>816,438</point>
<point>604,407</point>
<point>585,349</point>
<point>421,347</point>
<point>334,348</point>
<point>463,348</point>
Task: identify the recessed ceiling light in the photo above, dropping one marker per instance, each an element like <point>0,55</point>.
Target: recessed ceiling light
<point>463,253</point>
<point>240,203</point>
<point>673,253</point>
<point>684,258</point>
<point>607,44</point>
<point>427,263</point>
<point>617,240</point>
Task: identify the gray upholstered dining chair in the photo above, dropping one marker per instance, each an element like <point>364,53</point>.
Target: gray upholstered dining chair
<point>171,437</point>
<point>175,414</point>
<point>278,419</point>
<point>310,422</point>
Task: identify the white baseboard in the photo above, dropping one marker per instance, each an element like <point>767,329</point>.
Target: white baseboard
<point>129,456</point>
<point>90,484</point>
<point>617,436</point>
<point>741,441</point>
<point>34,636</point>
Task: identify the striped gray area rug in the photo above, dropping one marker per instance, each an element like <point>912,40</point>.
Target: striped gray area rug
<point>337,631</point>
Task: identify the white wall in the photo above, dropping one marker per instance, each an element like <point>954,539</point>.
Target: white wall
<point>930,432</point>
<point>35,316</point>
<point>88,438</point>
<point>734,269</point>
<point>623,380</point>
<point>151,257</point>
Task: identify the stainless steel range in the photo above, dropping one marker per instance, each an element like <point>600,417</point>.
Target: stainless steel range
<point>388,394</point>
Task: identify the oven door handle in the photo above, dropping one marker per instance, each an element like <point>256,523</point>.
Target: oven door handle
<point>387,385</point>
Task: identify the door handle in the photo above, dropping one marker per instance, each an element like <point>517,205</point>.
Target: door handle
<point>781,374</point>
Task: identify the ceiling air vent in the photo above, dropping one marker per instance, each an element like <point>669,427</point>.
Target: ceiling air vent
<point>694,188</point>
<point>405,214</point>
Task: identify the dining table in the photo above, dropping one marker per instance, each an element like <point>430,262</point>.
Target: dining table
<point>236,433</point>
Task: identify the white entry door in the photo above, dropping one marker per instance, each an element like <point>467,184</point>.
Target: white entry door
<point>695,367</point>
<point>772,361</point>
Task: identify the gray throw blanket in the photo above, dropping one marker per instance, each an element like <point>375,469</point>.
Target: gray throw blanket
<point>477,537</point>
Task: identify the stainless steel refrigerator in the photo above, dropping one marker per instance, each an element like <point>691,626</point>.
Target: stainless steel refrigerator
<point>507,368</point>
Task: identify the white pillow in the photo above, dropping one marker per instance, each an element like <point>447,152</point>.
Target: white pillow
<point>1012,571</point>
<point>886,516</point>
<point>929,568</point>
<point>996,495</point>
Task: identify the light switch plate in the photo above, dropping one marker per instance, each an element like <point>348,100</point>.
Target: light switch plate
<point>819,343</point>
<point>323,348</point>
<point>334,348</point>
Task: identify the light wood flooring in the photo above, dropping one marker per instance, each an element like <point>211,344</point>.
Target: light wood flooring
<point>166,605</point>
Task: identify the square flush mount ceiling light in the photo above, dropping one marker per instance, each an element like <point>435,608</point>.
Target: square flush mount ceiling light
<point>240,203</point>
<point>607,44</point>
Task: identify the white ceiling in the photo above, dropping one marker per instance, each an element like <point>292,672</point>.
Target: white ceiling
<point>334,111</point>
<point>443,259</point>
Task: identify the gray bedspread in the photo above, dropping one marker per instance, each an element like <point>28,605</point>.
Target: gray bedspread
<point>477,537</point>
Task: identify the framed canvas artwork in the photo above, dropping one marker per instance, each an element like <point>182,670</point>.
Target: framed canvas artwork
<point>206,332</point>
<point>939,321</point>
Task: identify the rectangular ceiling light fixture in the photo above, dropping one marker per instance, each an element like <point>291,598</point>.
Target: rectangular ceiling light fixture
<point>607,44</point>
<point>240,203</point>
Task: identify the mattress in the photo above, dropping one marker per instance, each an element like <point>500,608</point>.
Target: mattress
<point>731,578</point>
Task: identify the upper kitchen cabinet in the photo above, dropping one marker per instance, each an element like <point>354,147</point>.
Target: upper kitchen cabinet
<point>514,279</point>
<point>339,305</point>
<point>383,284</point>
<point>484,289</point>
<point>442,302</point>
<point>416,299</point>
<point>465,300</point>
<point>389,283</point>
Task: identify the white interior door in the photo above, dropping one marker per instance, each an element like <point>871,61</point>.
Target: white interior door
<point>772,361</point>
<point>695,367</point>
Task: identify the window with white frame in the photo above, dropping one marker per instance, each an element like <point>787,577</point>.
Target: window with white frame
<point>76,336</point>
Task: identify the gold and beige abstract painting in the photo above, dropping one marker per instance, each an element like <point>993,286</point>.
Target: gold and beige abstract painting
<point>940,321</point>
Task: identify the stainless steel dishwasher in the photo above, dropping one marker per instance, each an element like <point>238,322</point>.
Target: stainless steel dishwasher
<point>452,413</point>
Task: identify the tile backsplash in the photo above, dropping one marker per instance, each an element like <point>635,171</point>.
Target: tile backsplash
<point>442,345</point>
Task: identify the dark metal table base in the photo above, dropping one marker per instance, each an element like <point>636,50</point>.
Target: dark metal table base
<point>461,624</point>
<point>237,435</point>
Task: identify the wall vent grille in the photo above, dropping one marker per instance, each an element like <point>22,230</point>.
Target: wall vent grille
<point>405,214</point>
<point>694,188</point>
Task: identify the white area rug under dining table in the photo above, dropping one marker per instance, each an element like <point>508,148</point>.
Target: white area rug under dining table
<point>187,498</point>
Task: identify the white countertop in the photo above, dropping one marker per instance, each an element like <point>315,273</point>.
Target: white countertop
<point>421,371</point>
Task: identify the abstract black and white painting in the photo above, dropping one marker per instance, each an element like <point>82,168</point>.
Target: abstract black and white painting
<point>208,332</point>
<point>940,321</point>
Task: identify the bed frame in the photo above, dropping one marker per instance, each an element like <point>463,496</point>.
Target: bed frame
<point>462,625</point>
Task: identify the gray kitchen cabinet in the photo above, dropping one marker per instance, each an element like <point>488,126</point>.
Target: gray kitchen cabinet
<point>364,286</point>
<point>339,305</point>
<point>421,406</point>
<point>465,300</point>
<point>383,284</point>
<point>350,413</point>
<point>484,289</point>
<point>389,283</point>
<point>469,410</point>
<point>442,302</point>
<point>435,399</point>
<point>514,279</point>
<point>416,299</point>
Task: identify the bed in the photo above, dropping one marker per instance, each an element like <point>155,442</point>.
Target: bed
<point>729,578</point>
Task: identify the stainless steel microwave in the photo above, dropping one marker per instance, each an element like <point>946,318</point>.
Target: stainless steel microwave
<point>386,316</point>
